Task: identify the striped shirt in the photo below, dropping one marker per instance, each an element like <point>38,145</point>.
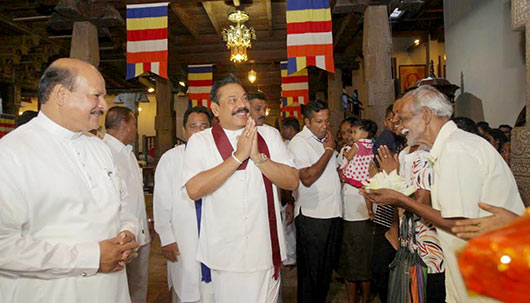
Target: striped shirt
<point>384,215</point>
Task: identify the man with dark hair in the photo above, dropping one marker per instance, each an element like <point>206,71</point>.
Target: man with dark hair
<point>66,234</point>
<point>507,130</point>
<point>318,207</point>
<point>177,219</point>
<point>258,107</point>
<point>121,132</point>
<point>290,127</point>
<point>465,123</point>
<point>235,168</point>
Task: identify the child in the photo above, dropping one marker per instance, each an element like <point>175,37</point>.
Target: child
<point>355,261</point>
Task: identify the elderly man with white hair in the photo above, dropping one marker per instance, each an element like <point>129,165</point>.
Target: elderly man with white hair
<point>467,170</point>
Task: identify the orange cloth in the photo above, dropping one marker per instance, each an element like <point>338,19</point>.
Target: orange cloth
<point>497,264</point>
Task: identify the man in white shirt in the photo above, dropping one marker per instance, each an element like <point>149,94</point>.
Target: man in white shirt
<point>64,235</point>
<point>467,170</point>
<point>290,127</point>
<point>121,132</point>
<point>235,168</point>
<point>318,207</point>
<point>177,218</point>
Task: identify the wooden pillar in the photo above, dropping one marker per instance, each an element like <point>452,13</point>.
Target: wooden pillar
<point>377,52</point>
<point>165,118</point>
<point>336,110</point>
<point>11,99</point>
<point>520,158</point>
<point>181,105</point>
<point>85,44</point>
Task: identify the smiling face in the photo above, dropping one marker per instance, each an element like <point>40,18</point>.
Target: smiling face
<point>82,107</point>
<point>258,110</point>
<point>233,107</point>
<point>196,123</point>
<point>319,123</point>
<point>413,124</point>
<point>345,133</point>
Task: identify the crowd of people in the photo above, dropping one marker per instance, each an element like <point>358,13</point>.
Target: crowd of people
<point>241,200</point>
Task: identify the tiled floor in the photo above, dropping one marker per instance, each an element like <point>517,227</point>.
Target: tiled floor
<point>158,291</point>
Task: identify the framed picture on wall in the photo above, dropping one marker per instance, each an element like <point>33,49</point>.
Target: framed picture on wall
<point>410,74</point>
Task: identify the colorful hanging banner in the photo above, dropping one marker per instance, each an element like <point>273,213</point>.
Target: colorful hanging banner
<point>7,124</point>
<point>200,80</point>
<point>309,35</point>
<point>295,91</point>
<point>147,31</point>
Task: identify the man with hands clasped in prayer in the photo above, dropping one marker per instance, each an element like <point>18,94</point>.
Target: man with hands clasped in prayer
<point>234,168</point>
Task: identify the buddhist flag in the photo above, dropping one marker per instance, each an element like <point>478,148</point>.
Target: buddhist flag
<point>200,79</point>
<point>295,91</point>
<point>7,124</point>
<point>309,35</point>
<point>147,39</point>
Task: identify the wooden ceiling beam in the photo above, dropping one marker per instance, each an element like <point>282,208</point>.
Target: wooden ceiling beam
<point>209,8</point>
<point>269,16</point>
<point>343,24</point>
<point>184,17</point>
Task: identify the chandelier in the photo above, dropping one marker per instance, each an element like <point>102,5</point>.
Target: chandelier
<point>238,38</point>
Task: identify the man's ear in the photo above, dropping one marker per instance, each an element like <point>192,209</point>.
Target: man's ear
<point>59,93</point>
<point>214,106</point>
<point>307,122</point>
<point>426,114</point>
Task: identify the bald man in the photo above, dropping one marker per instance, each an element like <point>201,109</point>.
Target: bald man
<point>64,235</point>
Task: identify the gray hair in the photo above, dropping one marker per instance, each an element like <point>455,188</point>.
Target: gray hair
<point>430,97</point>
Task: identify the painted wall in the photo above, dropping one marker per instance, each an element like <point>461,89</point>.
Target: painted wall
<point>481,45</point>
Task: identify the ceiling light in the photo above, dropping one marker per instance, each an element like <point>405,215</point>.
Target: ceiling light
<point>252,76</point>
<point>139,109</point>
<point>238,38</point>
<point>396,13</point>
<point>182,83</point>
<point>417,41</point>
<point>151,90</point>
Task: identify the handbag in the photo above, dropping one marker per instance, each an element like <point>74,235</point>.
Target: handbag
<point>408,272</point>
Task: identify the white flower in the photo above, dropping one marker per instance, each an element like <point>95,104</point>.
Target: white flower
<point>391,181</point>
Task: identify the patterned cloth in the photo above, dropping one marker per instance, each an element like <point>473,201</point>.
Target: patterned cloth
<point>355,171</point>
<point>415,168</point>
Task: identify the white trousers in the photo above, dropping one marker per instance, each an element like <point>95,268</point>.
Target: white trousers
<point>206,294</point>
<point>137,275</point>
<point>289,232</point>
<point>245,287</point>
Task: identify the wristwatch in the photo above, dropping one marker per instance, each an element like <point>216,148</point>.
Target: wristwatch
<point>262,159</point>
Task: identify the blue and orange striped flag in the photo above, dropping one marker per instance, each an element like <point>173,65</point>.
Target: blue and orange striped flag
<point>7,124</point>
<point>200,79</point>
<point>295,91</point>
<point>147,33</point>
<point>309,35</point>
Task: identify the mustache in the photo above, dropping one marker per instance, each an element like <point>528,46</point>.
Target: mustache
<point>97,111</point>
<point>240,110</point>
<point>261,117</point>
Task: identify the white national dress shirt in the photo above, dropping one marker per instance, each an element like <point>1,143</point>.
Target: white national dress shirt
<point>60,195</point>
<point>322,200</point>
<point>176,221</point>
<point>131,173</point>
<point>235,224</point>
<point>467,170</point>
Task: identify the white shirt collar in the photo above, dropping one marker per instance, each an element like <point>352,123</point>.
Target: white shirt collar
<point>116,144</point>
<point>306,132</point>
<point>56,129</point>
<point>445,132</point>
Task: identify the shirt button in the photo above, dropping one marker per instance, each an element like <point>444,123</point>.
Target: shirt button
<point>83,274</point>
